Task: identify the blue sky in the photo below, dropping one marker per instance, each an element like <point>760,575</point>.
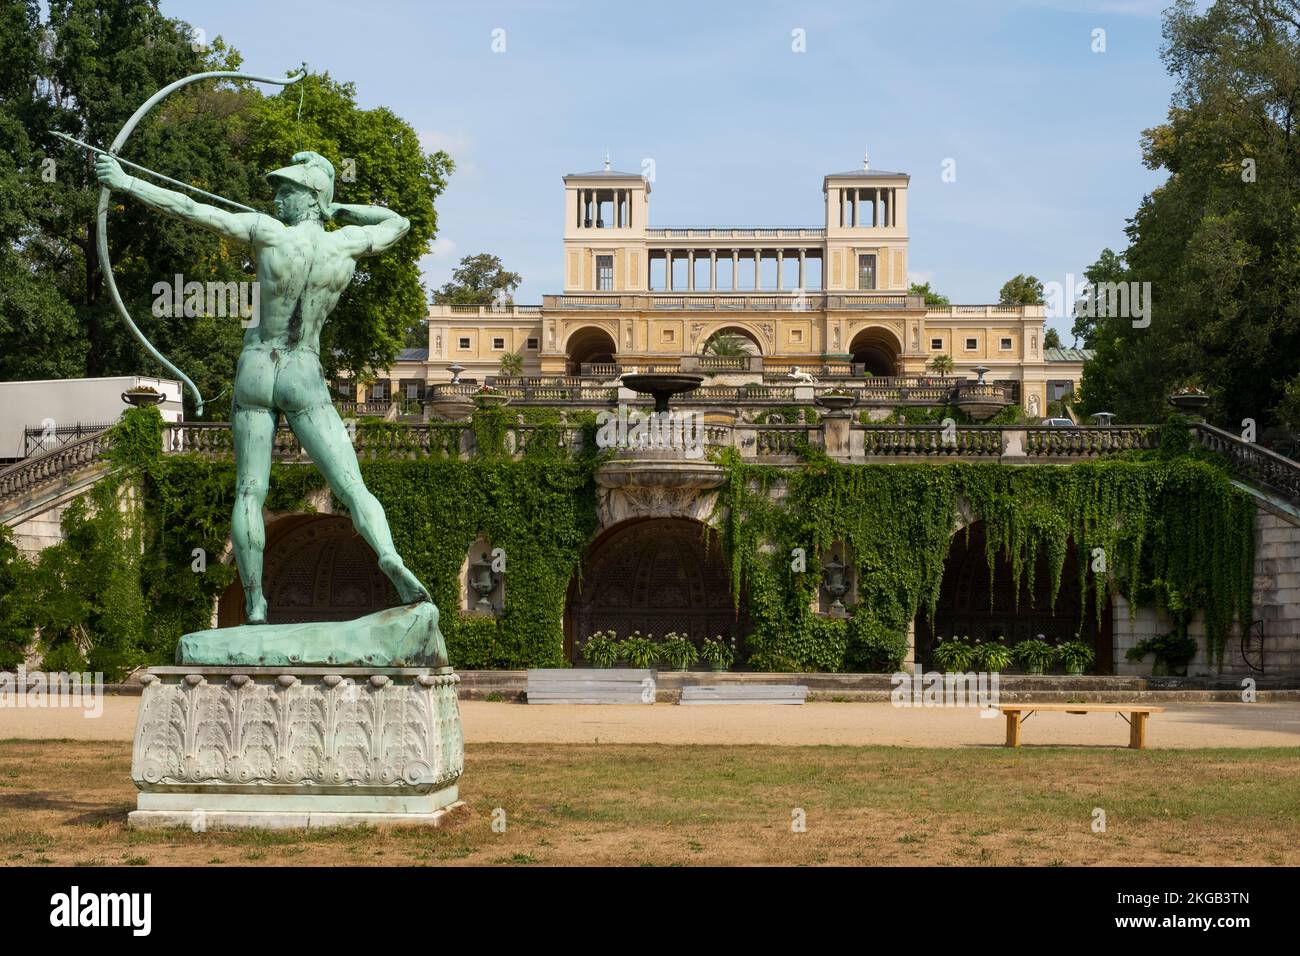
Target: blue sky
<point>1045,132</point>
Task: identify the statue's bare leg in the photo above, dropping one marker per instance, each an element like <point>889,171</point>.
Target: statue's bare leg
<point>254,432</point>
<point>300,385</point>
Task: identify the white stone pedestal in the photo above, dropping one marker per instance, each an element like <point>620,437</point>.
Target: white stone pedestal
<point>279,747</point>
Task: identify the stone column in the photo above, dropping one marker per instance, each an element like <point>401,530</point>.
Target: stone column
<point>713,270</point>
<point>668,270</point>
<point>690,270</point>
<point>735,269</point>
<point>758,268</point>
<point>802,259</point>
<point>780,261</point>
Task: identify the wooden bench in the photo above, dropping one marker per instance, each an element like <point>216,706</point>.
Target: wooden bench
<point>743,694</point>
<point>1137,721</point>
<point>595,685</point>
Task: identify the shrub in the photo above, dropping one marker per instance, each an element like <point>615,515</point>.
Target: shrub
<point>717,652</point>
<point>954,654</point>
<point>991,656</point>
<point>1172,648</point>
<point>639,651</point>
<point>874,646</point>
<point>1075,654</point>
<point>677,651</point>
<point>601,649</point>
<point>1033,653</point>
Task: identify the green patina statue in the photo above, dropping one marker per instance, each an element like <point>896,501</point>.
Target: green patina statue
<point>302,269</point>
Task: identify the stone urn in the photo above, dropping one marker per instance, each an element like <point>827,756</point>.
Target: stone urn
<point>1191,404</point>
<point>143,397</point>
<point>836,401</point>
<point>491,400</point>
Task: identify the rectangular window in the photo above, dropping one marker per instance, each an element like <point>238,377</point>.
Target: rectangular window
<point>463,343</point>
<point>866,272</point>
<point>604,273</point>
<point>936,345</point>
<point>499,344</point>
<point>972,345</point>
<point>1006,345</point>
<point>412,391</point>
<point>379,392</point>
<point>532,344</point>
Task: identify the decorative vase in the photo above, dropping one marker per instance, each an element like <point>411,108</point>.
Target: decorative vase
<point>491,401</point>
<point>1033,668</point>
<point>1074,668</point>
<point>836,402</point>
<point>141,398</point>
<point>720,667</point>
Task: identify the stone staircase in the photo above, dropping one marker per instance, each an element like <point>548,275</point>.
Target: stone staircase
<point>33,491</point>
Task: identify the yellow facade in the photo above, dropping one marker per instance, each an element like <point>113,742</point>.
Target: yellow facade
<point>637,295</point>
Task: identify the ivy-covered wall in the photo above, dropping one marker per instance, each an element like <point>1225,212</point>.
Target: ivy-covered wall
<point>1172,530</point>
<point>1176,533</point>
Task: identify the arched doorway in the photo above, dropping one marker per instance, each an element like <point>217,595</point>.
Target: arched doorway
<point>654,575</point>
<point>731,341</point>
<point>589,346</point>
<point>315,568</point>
<point>969,608</point>
<point>877,349</point>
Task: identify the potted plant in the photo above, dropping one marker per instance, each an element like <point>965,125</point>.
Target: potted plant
<point>489,397</point>
<point>1189,398</point>
<point>1034,655</point>
<point>142,396</point>
<point>639,651</point>
<point>718,653</point>
<point>991,656</point>
<point>678,652</point>
<point>1173,652</point>
<point>601,649</point>
<point>1074,656</point>
<point>837,398</point>
<point>954,654</point>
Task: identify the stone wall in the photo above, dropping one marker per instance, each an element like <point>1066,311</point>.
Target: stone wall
<point>1277,604</point>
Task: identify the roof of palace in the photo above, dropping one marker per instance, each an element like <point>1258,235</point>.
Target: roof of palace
<point>603,174</point>
<point>867,174</point>
<point>1067,355</point>
<point>413,355</point>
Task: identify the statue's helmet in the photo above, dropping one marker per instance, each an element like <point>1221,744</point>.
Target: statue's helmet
<point>313,172</point>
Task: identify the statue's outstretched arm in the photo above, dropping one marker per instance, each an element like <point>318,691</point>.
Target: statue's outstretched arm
<point>239,226</point>
<point>369,230</point>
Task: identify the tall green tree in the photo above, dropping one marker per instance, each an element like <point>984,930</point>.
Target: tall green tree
<point>1021,290</point>
<point>931,297</point>
<point>83,70</point>
<point>1219,241</point>
<point>477,281</point>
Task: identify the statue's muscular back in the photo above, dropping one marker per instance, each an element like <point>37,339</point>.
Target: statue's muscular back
<point>302,271</point>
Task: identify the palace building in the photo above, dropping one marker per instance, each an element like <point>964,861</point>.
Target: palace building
<point>831,299</point>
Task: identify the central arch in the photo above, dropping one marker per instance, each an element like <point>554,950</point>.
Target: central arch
<point>878,350</point>
<point>969,607</point>
<point>315,568</point>
<point>589,346</point>
<point>654,575</point>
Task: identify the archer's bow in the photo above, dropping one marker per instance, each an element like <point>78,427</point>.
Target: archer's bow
<point>101,234</point>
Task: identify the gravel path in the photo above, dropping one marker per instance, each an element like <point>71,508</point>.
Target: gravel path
<point>1182,725</point>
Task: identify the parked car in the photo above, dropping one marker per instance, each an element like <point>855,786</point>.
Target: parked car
<point>1059,423</point>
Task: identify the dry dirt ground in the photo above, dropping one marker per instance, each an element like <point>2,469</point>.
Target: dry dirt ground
<point>855,724</point>
<point>66,801</point>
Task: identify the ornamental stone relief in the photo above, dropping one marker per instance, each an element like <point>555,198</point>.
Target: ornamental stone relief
<point>309,734</point>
